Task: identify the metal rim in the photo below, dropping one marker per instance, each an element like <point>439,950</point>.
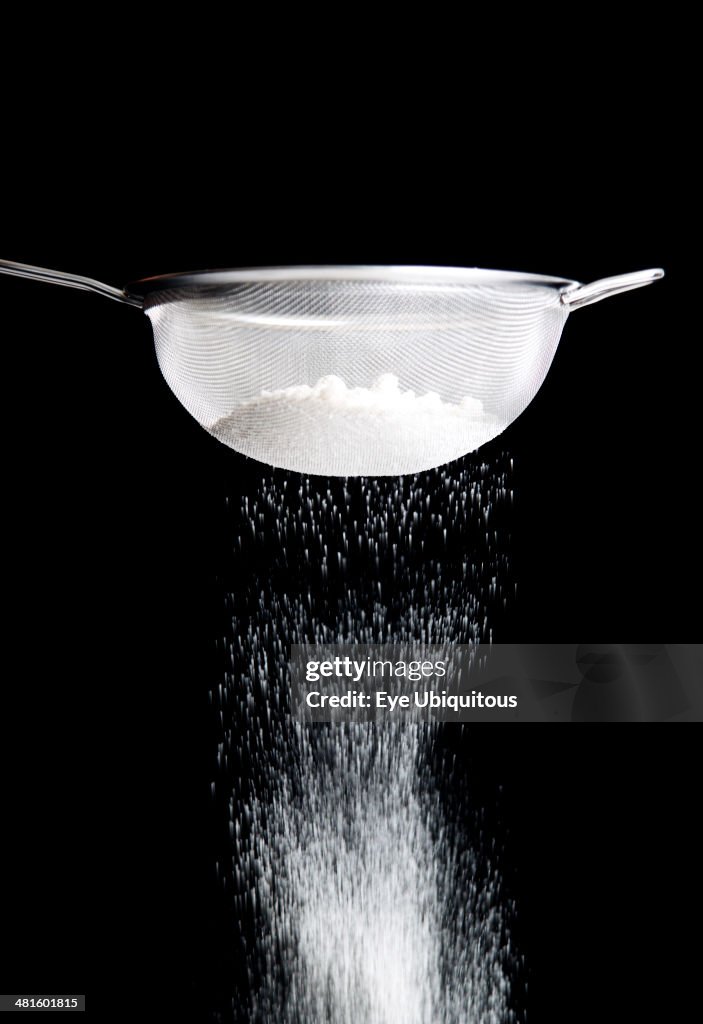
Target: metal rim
<point>395,274</point>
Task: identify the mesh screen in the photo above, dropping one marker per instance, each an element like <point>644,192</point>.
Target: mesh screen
<point>421,374</point>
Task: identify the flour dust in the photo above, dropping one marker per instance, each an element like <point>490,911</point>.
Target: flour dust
<point>356,892</point>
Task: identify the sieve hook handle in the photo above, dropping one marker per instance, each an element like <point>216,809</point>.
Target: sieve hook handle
<point>68,281</point>
<point>584,294</point>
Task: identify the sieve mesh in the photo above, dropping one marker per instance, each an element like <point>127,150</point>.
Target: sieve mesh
<point>238,356</point>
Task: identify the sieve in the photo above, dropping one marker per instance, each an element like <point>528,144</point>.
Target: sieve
<point>360,370</point>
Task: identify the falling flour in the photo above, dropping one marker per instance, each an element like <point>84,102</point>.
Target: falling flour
<point>359,895</point>
<point>329,428</point>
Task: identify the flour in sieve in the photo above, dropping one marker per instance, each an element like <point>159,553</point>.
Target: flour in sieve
<point>333,429</point>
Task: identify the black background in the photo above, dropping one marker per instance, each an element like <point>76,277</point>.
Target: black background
<point>114,509</point>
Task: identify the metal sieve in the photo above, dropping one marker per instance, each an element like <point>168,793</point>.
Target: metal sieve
<point>347,371</point>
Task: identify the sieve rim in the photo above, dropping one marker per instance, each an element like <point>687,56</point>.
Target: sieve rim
<point>420,275</point>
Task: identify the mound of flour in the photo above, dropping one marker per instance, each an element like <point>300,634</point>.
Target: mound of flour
<point>383,398</point>
<point>329,428</point>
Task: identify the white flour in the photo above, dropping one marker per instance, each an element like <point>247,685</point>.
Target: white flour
<point>331,429</point>
<point>369,902</point>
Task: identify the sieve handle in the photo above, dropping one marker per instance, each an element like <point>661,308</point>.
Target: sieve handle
<point>68,281</point>
<point>584,294</point>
